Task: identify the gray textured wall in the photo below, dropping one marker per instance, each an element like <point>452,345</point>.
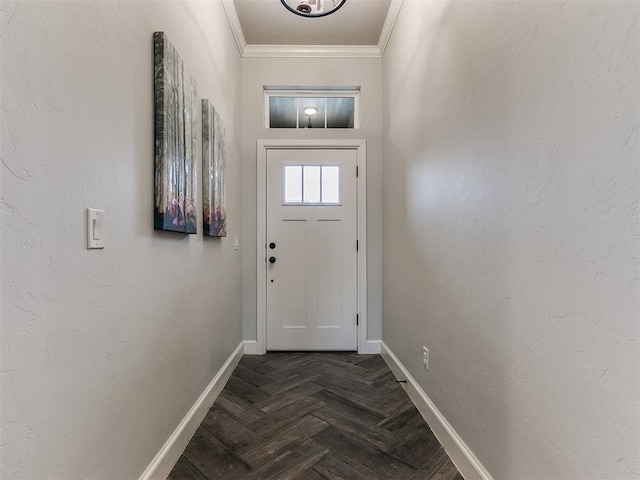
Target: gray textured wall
<point>511,228</point>
<point>104,351</point>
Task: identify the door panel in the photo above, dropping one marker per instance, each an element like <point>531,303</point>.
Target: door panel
<point>330,289</point>
<point>294,273</point>
<point>311,218</point>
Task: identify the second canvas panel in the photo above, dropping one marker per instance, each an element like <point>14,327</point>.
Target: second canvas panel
<point>213,172</point>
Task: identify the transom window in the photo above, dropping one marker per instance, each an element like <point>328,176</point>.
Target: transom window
<point>311,185</point>
<point>312,108</point>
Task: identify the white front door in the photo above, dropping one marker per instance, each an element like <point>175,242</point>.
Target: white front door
<point>311,249</point>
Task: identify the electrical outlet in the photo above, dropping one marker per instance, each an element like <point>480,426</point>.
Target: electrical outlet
<point>425,357</point>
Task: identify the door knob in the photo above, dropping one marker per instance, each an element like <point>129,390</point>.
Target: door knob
<point>272,259</point>
<point>272,245</point>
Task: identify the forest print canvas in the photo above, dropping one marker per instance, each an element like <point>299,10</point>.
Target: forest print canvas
<point>175,93</point>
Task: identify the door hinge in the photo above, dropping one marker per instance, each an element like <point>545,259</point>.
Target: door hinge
<point>357,319</point>
<point>357,245</point>
<point>357,171</point>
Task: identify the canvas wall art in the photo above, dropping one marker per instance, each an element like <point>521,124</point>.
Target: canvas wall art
<point>176,95</point>
<point>213,172</point>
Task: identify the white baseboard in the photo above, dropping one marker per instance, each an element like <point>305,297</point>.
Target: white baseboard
<point>163,463</point>
<point>372,346</point>
<point>461,455</point>
<point>251,347</point>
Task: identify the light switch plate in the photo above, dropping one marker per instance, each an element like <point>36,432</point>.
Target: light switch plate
<point>95,228</point>
<point>236,242</point>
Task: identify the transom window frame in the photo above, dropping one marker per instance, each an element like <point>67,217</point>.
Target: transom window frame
<point>351,92</point>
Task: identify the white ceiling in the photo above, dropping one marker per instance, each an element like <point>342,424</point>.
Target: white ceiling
<point>267,22</point>
<point>267,28</point>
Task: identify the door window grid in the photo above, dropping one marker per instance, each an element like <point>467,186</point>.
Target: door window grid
<point>311,185</point>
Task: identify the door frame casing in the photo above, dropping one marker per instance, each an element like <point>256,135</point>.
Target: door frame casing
<point>263,146</point>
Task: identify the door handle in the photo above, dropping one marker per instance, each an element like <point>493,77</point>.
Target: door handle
<point>272,259</point>
<point>272,245</point>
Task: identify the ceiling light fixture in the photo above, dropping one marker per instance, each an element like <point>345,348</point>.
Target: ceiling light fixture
<point>313,8</point>
<point>309,111</point>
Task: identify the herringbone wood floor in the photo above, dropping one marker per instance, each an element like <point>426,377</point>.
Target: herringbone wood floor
<point>313,416</point>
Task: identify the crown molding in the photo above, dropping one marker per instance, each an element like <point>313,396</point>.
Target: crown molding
<point>389,23</point>
<point>234,23</point>
<point>311,51</point>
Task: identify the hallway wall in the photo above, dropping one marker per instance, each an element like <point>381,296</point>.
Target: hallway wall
<point>364,72</point>
<point>104,351</point>
<point>511,228</point>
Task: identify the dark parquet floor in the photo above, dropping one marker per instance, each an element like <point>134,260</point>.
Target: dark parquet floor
<point>313,416</point>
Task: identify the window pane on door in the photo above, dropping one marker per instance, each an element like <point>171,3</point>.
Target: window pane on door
<point>330,184</point>
<point>311,184</point>
<point>293,184</point>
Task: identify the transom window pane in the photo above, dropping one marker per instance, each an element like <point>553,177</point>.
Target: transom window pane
<point>317,120</point>
<point>340,112</point>
<point>311,184</point>
<point>282,112</point>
